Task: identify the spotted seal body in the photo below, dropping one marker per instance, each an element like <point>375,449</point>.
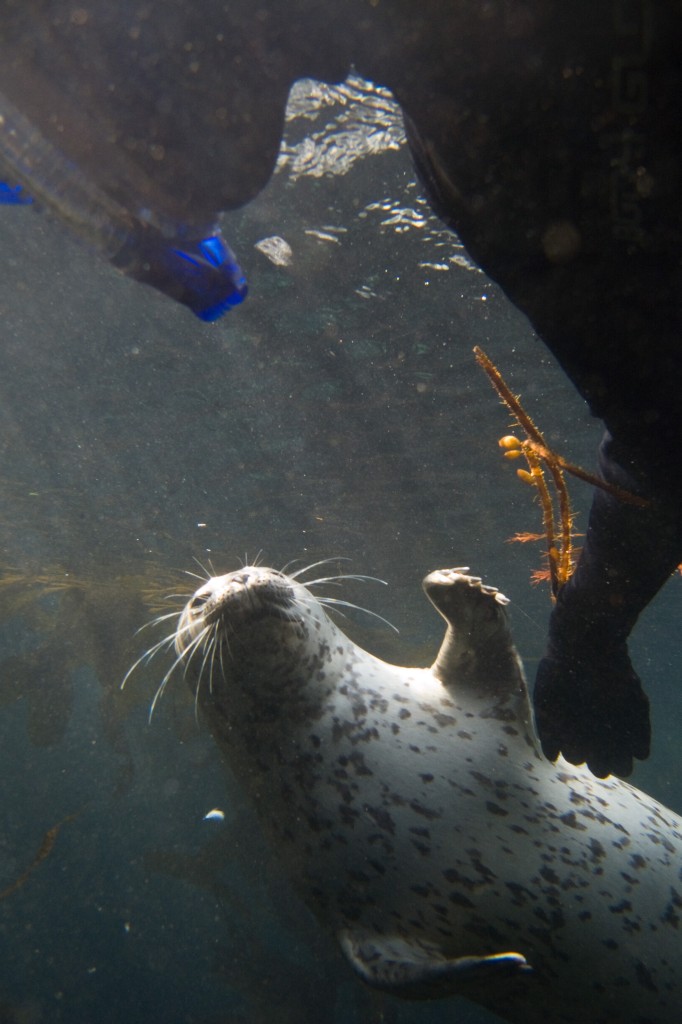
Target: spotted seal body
<point>419,819</point>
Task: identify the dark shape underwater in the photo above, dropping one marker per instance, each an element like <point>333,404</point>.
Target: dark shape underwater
<point>546,134</point>
<point>191,264</point>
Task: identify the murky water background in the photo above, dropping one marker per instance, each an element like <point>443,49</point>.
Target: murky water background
<point>340,413</point>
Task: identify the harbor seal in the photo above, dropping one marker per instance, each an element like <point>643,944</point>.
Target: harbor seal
<point>418,818</point>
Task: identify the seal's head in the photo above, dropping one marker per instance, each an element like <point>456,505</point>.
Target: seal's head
<point>240,597</point>
<point>254,631</point>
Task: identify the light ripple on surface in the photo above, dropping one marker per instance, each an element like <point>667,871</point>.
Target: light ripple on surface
<point>330,128</point>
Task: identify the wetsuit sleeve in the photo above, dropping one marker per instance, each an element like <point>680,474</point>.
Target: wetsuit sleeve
<point>589,702</point>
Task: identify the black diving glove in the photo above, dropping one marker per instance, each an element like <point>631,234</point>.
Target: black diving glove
<point>591,707</point>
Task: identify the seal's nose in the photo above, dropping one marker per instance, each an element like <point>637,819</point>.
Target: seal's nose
<point>246,576</point>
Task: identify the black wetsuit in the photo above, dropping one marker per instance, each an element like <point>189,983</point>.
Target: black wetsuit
<point>564,180</point>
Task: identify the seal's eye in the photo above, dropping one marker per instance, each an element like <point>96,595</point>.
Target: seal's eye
<point>198,602</point>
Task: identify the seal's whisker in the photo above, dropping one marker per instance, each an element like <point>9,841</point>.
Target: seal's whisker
<point>192,648</point>
<point>208,651</point>
<point>187,653</point>
<point>189,649</point>
<point>196,576</point>
<point>157,621</point>
<point>253,562</point>
<point>333,601</point>
<point>345,576</point>
<point>214,646</point>
<point>314,565</point>
<point>207,575</point>
<point>220,650</point>
<point>166,642</point>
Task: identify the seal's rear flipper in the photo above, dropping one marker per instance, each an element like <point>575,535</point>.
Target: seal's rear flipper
<point>416,970</point>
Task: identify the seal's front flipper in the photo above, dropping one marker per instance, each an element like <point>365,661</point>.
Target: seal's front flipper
<point>416,970</point>
<point>478,646</point>
<point>477,657</point>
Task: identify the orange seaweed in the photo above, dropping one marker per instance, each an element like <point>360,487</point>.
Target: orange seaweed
<point>557,515</point>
